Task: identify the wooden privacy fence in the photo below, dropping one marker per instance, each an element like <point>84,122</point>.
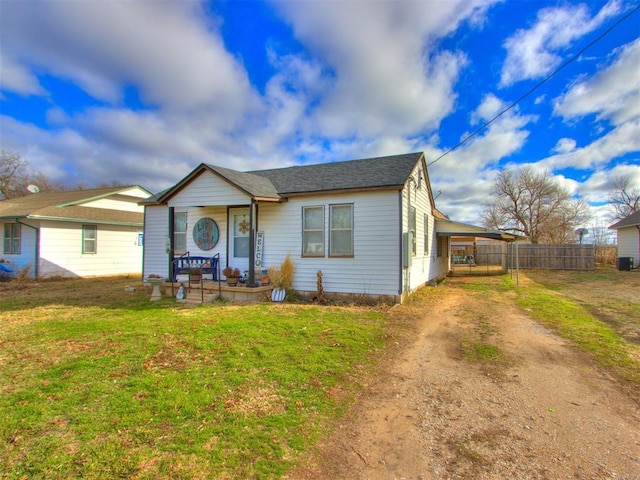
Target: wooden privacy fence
<point>549,257</point>
<point>556,257</point>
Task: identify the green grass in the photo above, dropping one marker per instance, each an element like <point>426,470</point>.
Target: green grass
<point>107,384</point>
<point>573,321</point>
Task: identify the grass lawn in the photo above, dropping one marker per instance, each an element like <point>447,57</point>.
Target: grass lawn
<point>96,382</point>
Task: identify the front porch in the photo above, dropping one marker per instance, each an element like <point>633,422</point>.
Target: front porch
<point>209,291</point>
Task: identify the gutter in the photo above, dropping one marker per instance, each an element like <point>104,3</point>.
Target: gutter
<point>89,220</point>
<point>36,253</point>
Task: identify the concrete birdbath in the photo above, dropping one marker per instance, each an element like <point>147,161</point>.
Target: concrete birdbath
<point>155,282</point>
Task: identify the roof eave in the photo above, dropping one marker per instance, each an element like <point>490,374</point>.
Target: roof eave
<point>343,190</point>
<point>83,220</point>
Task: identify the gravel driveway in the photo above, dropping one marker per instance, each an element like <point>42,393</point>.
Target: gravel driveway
<point>538,410</point>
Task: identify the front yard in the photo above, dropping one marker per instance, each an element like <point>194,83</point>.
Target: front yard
<point>97,382</point>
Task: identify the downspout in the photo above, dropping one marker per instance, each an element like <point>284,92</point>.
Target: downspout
<point>401,258</point>
<point>36,254</point>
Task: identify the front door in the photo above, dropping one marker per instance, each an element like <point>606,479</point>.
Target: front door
<point>239,238</point>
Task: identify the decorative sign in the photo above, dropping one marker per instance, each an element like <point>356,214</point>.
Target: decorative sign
<point>259,248</point>
<point>206,233</point>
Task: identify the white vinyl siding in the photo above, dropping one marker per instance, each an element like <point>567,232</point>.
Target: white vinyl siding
<point>426,264</point>
<point>629,243</point>
<point>156,235</point>
<point>208,190</point>
<point>61,251</point>
<point>373,269</point>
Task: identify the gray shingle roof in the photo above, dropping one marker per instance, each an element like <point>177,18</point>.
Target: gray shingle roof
<point>630,221</point>
<point>278,183</point>
<point>252,183</point>
<point>391,171</point>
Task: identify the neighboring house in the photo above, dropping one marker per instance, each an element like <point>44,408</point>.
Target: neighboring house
<point>78,233</point>
<point>628,232</point>
<point>371,225</point>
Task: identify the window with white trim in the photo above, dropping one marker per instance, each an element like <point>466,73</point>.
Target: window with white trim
<point>180,232</point>
<point>89,239</point>
<point>313,231</point>
<point>12,234</point>
<point>413,228</point>
<point>341,230</point>
<point>426,233</point>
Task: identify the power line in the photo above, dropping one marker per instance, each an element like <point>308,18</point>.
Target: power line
<point>538,85</point>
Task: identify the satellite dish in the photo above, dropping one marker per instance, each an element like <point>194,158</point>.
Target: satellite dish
<point>33,188</point>
<point>581,232</point>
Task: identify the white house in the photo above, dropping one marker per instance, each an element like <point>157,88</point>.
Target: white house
<point>370,225</point>
<point>78,233</point>
<point>628,232</point>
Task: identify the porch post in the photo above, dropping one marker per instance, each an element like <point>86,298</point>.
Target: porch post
<point>170,242</point>
<point>253,220</point>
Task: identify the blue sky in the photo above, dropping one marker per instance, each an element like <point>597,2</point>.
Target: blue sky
<point>141,92</point>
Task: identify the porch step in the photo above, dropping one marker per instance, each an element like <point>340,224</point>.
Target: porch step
<point>230,294</point>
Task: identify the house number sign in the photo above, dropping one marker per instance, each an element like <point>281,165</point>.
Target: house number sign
<point>206,233</point>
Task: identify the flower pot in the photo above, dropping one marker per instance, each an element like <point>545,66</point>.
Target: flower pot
<point>232,281</point>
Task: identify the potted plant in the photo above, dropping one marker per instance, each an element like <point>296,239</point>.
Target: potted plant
<point>282,279</point>
<point>232,275</point>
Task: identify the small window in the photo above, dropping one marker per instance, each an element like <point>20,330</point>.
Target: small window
<point>313,231</point>
<point>180,232</point>
<point>89,239</point>
<point>426,233</point>
<point>412,228</point>
<point>341,231</point>
<point>12,232</point>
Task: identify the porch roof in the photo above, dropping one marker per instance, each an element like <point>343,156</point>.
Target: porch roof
<point>449,228</point>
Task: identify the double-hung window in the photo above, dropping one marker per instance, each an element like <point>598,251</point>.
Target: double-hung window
<point>89,239</point>
<point>180,232</point>
<point>12,232</point>
<point>341,230</point>
<point>313,231</point>
<point>412,228</point>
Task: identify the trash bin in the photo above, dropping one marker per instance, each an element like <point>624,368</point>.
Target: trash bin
<point>625,263</point>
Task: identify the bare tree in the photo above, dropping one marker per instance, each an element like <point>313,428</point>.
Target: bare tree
<point>15,177</point>
<point>625,198</point>
<point>534,205</point>
<point>12,174</point>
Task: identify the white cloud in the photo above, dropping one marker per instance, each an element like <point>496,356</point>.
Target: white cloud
<point>565,145</point>
<point>613,93</point>
<point>175,60</point>
<point>17,78</point>
<point>533,53</point>
<point>385,77</point>
<point>616,143</point>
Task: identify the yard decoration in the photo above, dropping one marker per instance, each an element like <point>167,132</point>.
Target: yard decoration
<point>232,275</point>
<point>282,279</point>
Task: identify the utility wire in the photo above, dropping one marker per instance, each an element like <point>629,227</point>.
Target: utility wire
<point>538,85</point>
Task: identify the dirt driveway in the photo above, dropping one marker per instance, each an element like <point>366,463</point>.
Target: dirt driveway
<point>542,410</point>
